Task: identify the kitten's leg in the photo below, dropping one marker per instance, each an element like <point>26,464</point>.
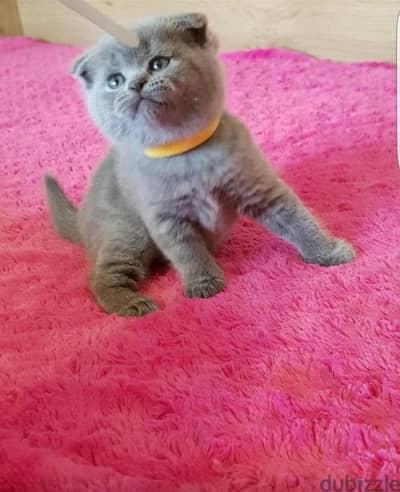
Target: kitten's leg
<point>184,247</point>
<point>274,205</point>
<point>120,265</point>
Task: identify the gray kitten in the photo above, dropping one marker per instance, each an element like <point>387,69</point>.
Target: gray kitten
<point>139,209</point>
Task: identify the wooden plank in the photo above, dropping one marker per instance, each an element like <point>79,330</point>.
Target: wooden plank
<point>105,22</point>
<point>360,30</point>
<point>10,23</point>
<point>337,29</point>
<point>398,91</point>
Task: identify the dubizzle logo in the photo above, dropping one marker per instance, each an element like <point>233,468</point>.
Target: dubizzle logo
<point>350,484</point>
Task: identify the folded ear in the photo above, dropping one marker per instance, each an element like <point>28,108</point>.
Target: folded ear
<point>83,69</point>
<point>192,26</point>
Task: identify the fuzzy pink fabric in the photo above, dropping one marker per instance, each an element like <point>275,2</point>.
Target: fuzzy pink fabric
<point>290,376</point>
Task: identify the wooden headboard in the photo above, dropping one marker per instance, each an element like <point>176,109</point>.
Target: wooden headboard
<point>336,29</point>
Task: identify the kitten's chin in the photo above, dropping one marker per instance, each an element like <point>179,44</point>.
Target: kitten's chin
<point>153,114</point>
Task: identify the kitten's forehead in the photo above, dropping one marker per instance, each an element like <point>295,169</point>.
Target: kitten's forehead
<point>176,31</point>
<point>153,29</point>
<point>153,41</point>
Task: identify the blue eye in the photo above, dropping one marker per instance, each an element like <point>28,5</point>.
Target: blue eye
<point>159,63</point>
<point>115,80</point>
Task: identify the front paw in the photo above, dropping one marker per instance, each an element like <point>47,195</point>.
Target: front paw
<point>205,287</point>
<point>124,302</point>
<point>138,307</point>
<point>338,251</point>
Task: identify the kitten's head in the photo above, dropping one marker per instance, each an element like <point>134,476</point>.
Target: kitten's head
<point>168,87</point>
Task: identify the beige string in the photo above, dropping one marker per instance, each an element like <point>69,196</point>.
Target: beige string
<point>86,10</point>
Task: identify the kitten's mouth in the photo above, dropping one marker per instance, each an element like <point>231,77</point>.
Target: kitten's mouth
<point>144,104</point>
<point>150,107</point>
<point>150,100</point>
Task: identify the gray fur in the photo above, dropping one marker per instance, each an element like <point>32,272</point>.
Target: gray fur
<point>139,209</point>
<point>63,213</point>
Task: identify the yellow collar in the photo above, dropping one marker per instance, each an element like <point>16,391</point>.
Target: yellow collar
<point>184,145</point>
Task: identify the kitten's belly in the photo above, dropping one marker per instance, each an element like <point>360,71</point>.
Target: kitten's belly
<point>216,226</point>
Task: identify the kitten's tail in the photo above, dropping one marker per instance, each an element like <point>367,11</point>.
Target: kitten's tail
<point>62,212</point>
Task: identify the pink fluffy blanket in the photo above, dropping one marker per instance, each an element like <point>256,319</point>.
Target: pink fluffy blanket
<point>289,380</point>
